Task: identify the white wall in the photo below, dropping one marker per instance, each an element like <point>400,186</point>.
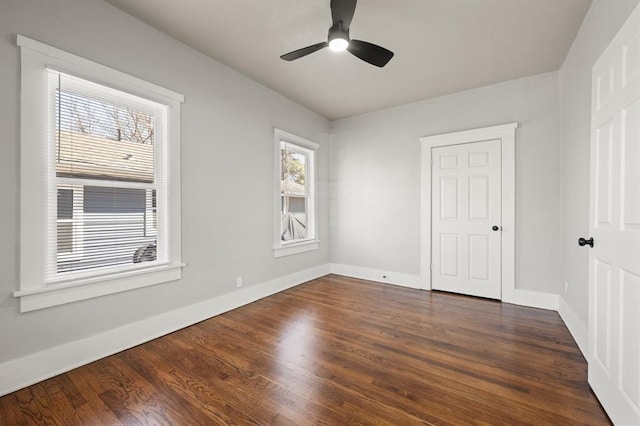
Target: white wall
<point>602,22</point>
<point>227,144</point>
<point>375,177</point>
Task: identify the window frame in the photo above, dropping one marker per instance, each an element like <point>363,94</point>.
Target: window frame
<point>85,184</point>
<point>310,149</point>
<point>37,291</point>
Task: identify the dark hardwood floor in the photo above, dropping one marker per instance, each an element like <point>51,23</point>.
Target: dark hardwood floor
<point>334,351</point>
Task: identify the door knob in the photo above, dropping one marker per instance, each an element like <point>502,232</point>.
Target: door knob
<point>585,242</point>
<point>495,228</point>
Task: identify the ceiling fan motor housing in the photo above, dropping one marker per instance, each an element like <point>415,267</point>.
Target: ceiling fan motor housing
<point>338,31</point>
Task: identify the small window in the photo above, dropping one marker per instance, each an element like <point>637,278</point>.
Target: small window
<point>100,182</point>
<point>293,192</point>
<point>296,217</point>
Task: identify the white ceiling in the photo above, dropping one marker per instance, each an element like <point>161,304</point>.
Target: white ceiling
<point>440,46</point>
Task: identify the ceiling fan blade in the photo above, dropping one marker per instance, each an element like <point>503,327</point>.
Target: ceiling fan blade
<point>342,10</point>
<point>296,54</point>
<point>369,52</point>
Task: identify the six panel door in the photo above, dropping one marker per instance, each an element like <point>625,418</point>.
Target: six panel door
<point>465,219</point>
<point>614,260</point>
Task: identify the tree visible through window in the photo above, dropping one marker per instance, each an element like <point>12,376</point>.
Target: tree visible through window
<point>97,117</point>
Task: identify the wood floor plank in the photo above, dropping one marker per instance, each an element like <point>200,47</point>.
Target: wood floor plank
<point>131,397</point>
<point>212,403</point>
<point>305,379</point>
<point>218,369</point>
<point>242,373</point>
<point>10,412</point>
<point>335,350</point>
<point>303,385</point>
<point>71,392</point>
<point>96,410</point>
<point>60,403</point>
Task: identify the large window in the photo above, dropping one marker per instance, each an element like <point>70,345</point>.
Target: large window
<point>100,179</point>
<point>106,176</point>
<point>296,200</point>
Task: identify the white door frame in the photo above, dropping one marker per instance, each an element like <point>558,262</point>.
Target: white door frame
<point>507,135</point>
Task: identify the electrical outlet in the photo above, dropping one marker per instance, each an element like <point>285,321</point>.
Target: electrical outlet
<point>566,286</point>
<point>238,282</point>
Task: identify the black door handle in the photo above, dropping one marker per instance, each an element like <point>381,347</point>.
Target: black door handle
<point>495,228</point>
<point>585,242</point>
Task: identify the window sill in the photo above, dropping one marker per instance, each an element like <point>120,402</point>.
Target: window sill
<point>82,289</point>
<point>295,248</point>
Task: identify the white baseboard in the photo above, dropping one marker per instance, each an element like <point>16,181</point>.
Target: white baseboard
<point>19,373</point>
<point>396,278</point>
<point>528,298</point>
<point>536,299</point>
<point>576,326</point>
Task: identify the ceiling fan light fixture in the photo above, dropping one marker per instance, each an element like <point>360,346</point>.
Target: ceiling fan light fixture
<point>338,38</point>
<point>338,44</point>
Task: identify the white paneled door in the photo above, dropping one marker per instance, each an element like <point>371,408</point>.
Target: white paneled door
<point>466,218</point>
<point>614,259</point>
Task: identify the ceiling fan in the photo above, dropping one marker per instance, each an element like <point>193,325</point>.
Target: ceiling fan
<point>338,40</point>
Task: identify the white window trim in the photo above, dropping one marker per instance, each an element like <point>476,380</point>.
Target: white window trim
<point>34,293</point>
<point>281,248</point>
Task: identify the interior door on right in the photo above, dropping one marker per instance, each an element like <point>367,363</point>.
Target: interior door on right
<point>466,218</point>
<point>614,260</point>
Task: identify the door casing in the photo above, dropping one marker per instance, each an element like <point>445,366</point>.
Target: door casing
<point>506,133</point>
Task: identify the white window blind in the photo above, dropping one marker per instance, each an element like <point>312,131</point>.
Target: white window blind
<point>107,180</point>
